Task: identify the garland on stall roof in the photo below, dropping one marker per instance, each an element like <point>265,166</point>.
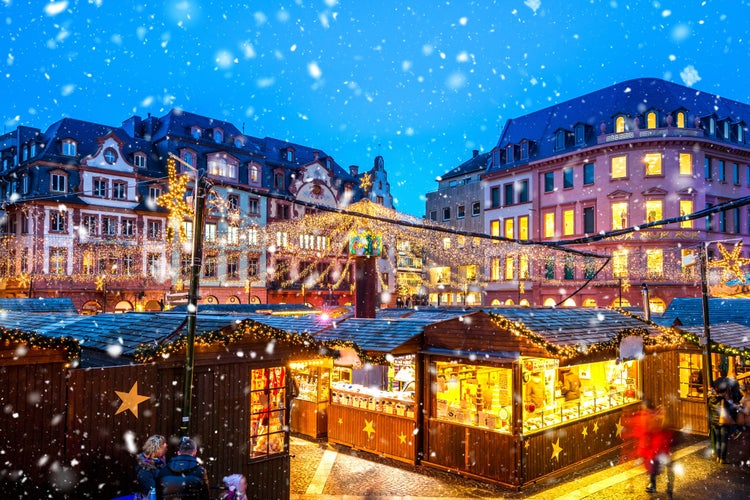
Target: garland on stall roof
<point>715,346</point>
<point>34,340</point>
<point>256,331</point>
<point>568,352</point>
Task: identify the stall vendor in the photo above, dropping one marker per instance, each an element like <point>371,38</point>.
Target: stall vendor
<point>571,388</point>
<point>534,392</point>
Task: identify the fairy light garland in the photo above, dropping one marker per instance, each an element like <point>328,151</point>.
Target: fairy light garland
<point>36,341</point>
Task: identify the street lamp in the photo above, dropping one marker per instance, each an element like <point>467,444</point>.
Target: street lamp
<point>646,302</point>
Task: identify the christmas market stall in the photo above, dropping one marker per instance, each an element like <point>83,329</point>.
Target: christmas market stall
<point>375,390</point>
<point>517,394</point>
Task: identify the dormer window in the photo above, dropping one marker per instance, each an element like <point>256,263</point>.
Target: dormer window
<point>69,147</point>
<point>278,180</point>
<point>711,126</point>
<point>195,132</point>
<point>509,154</point>
<point>524,150</point>
<point>651,119</point>
<point>580,133</point>
<point>24,153</point>
<point>727,133</point>
<point>238,142</point>
<point>288,154</point>
<point>32,150</point>
<point>218,135</point>
<point>559,140</point>
<point>58,182</point>
<point>681,119</point>
<point>254,173</point>
<point>140,160</point>
<point>619,124</point>
<point>740,133</point>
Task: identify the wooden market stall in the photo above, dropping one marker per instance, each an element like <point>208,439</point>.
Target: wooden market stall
<point>375,386</point>
<point>517,394</point>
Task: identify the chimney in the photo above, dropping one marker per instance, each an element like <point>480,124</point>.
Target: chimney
<point>315,155</point>
<point>475,153</point>
<point>354,170</point>
<point>132,126</point>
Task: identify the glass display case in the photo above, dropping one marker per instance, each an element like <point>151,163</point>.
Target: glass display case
<point>267,410</point>
<point>312,380</point>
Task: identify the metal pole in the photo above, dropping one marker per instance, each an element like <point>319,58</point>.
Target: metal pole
<point>706,340</point>
<point>201,189</point>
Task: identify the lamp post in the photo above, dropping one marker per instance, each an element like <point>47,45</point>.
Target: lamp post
<point>646,302</point>
<point>706,340</point>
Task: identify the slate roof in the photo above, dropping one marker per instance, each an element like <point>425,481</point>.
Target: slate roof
<point>689,312</point>
<point>477,163</point>
<point>729,334</point>
<point>375,335</point>
<point>247,309</point>
<point>630,97</point>
<point>571,326</point>
<point>37,306</point>
<point>307,324</point>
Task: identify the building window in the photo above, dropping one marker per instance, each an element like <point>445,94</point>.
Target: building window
<point>620,215</point>
<point>476,209</point>
<point>686,164</point>
<point>91,224</point>
<point>278,180</point>
<point>721,171</point>
<point>525,150</point>
<point>446,213</point>
<point>589,268</point>
<point>494,197</point>
<point>188,158</point>
<point>128,227</point>
<point>460,211</point>
<point>619,124</point>
<point>680,119</point>
<point>253,266</point>
<point>69,147</point>
<point>588,174</point>
<point>58,260</point>
<point>650,119</point>
<point>110,156</point>
<point>99,188</point>
<point>509,154</point>
<point>267,411</point>
<point>288,154</point>
<point>567,177</point>
<point>588,220</point>
<point>523,191</point>
<point>654,263</point>
<point>686,208</point>
<point>254,173</point>
<point>119,190</point>
<point>222,167</point>
<point>233,202</point>
<point>233,267</point>
<point>620,263</point>
<point>57,220</point>
<point>510,267</point>
<point>508,188</point>
<point>653,210</point>
<point>653,163</point>
<point>154,193</point>
<point>210,267</point>
<point>709,218</point>
<point>707,170</point>
<point>549,182</point>
<point>58,183</point>
<point>218,136</point>
<point>153,265</point>
<point>580,133</point>
<point>736,174</point>
<point>569,270</point>
<point>509,229</point>
<point>433,215</point>
<point>154,230</point>
<point>195,132</point>
<point>253,206</point>
<point>209,235</point>
<point>568,222</point>
<point>523,227</point>
<point>559,140</point>
<point>619,167</point>
<point>495,269</point>
<point>140,160</point>
<point>549,268</point>
<point>549,225</point>
<point>722,222</point>
<point>736,221</point>
<point>109,226</point>
<point>233,235</point>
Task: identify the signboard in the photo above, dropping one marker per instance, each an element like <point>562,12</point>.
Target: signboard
<point>363,243</point>
<point>176,298</point>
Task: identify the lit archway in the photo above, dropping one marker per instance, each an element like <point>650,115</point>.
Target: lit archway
<point>589,303</point>
<point>621,303</point>
<point>657,305</point>
<point>152,305</point>
<point>550,302</point>
<point>123,306</point>
<point>495,302</point>
<point>509,302</point>
<point>524,303</point>
<point>234,300</point>
<point>569,303</point>
<point>255,300</point>
<point>91,307</point>
<point>210,299</point>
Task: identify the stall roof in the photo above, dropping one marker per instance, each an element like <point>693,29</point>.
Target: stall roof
<point>729,334</point>
<point>36,323</point>
<point>571,326</point>
<point>375,335</point>
<point>289,309</point>
<point>303,324</point>
<point>689,312</point>
<point>38,306</point>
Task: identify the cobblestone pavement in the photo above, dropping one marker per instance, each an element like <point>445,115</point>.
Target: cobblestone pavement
<point>324,471</point>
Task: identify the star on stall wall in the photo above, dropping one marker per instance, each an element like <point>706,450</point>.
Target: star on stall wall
<point>341,421</point>
<point>596,427</point>
<point>369,429</point>
<point>585,431</point>
<point>130,400</point>
<point>556,449</point>
<point>620,427</point>
<point>526,444</point>
<point>402,438</point>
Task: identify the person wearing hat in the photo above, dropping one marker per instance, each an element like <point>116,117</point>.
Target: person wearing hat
<point>236,486</point>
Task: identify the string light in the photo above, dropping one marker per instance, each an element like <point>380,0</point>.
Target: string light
<point>36,341</point>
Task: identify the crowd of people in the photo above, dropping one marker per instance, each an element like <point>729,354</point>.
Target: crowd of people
<point>182,476</point>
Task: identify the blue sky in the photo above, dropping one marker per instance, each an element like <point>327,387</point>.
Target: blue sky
<point>422,83</point>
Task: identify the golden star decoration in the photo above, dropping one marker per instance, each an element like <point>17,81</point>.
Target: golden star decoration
<point>521,287</point>
<point>24,280</point>
<point>366,182</point>
<point>179,285</point>
<point>341,421</point>
<point>625,285</point>
<point>402,438</point>
<point>100,282</point>
<point>526,444</point>
<point>369,429</point>
<point>174,199</point>
<point>596,427</point>
<point>556,449</point>
<point>585,431</point>
<point>130,400</point>
<point>620,427</point>
<point>730,263</point>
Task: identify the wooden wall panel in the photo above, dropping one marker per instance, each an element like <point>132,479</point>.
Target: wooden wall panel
<point>371,431</point>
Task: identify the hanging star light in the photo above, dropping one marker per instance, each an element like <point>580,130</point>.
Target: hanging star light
<point>24,280</point>
<point>366,182</point>
<point>175,200</point>
<point>625,284</point>
<point>730,263</point>
<point>100,282</point>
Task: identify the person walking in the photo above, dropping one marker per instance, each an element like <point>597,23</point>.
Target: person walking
<point>236,485</point>
<point>183,477</point>
<point>149,463</point>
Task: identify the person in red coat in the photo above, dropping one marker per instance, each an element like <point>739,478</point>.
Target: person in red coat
<point>653,444</point>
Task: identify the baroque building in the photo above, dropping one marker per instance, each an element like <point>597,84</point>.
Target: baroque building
<point>87,212</point>
<point>628,155</point>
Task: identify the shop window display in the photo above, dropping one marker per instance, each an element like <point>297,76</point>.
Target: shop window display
<point>311,379</point>
<point>480,396</point>
<point>691,375</point>
<point>267,411</point>
<point>553,395</point>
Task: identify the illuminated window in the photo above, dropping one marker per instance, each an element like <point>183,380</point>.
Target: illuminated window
<point>653,210</point>
<point>233,267</point>
<point>57,221</point>
<point>222,167</point>
<point>691,375</point>
<point>495,229</point>
<point>233,235</point>
<point>495,269</point>
<point>281,239</point>
<point>440,275</point>
<point>686,208</point>
<point>468,272</point>
<point>686,164</point>
<point>568,222</point>
<point>569,270</point>
<point>523,266</point>
<point>620,215</point>
<point>268,419</point>
<point>620,263</point>
<point>523,227</point>
<point>509,228</point>
<point>650,119</point>
<point>620,124</point>
<point>210,267</point>
<point>655,262</point>
<point>209,233</point>
<point>69,147</point>
<point>446,243</point>
<point>688,261</point>
<point>653,163</point>
<point>619,167</point>
<point>549,225</point>
<point>681,119</point>
<point>510,267</point>
<point>58,260</point>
